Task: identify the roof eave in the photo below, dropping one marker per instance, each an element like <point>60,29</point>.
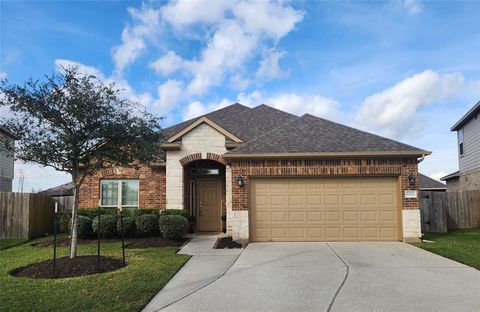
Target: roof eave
<point>291,155</point>
<point>466,118</point>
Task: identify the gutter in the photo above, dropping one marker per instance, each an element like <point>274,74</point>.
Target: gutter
<point>307,155</point>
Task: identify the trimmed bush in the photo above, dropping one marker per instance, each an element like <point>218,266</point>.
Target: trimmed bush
<point>175,212</point>
<point>147,225</point>
<point>134,212</point>
<point>108,225</point>
<point>173,226</point>
<point>84,228</point>
<point>129,227</point>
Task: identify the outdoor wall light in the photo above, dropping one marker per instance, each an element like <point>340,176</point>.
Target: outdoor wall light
<point>240,181</point>
<point>411,179</point>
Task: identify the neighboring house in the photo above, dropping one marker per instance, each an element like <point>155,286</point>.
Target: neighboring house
<point>428,184</point>
<point>62,194</point>
<point>467,178</point>
<point>276,176</point>
<point>6,161</point>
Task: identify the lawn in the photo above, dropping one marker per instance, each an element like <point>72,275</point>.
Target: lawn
<point>8,243</point>
<point>460,245</point>
<point>127,289</point>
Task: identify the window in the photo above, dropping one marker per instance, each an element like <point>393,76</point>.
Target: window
<point>203,171</point>
<point>116,193</point>
<point>460,141</point>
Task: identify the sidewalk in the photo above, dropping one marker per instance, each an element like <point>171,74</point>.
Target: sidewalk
<point>206,265</point>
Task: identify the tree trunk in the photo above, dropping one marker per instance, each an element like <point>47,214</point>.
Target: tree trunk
<point>74,229</point>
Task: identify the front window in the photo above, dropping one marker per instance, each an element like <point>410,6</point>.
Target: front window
<point>119,193</point>
<point>460,141</point>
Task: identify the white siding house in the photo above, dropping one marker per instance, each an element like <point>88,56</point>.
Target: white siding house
<point>6,162</point>
<point>468,136</point>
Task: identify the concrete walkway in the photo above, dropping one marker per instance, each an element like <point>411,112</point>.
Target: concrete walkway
<point>331,277</point>
<point>206,265</point>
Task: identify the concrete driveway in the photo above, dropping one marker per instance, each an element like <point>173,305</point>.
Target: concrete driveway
<point>337,277</point>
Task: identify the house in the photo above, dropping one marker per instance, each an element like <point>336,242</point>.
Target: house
<point>467,178</point>
<point>6,161</point>
<point>62,194</point>
<point>428,184</point>
<point>276,177</point>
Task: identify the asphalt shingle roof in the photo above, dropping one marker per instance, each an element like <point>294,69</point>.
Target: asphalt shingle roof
<point>313,134</point>
<point>265,129</point>
<point>425,182</point>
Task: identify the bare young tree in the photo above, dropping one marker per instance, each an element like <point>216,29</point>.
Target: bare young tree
<point>77,124</point>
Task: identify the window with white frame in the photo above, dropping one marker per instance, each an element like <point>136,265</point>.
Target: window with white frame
<point>460,142</point>
<point>119,193</point>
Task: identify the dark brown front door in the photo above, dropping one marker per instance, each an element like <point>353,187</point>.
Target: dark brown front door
<point>209,205</point>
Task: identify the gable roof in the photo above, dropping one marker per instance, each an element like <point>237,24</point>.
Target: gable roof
<point>198,122</point>
<point>215,116</point>
<point>427,183</point>
<point>60,190</point>
<point>311,135</point>
<point>474,111</point>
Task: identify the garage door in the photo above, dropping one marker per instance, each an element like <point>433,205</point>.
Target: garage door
<point>324,209</point>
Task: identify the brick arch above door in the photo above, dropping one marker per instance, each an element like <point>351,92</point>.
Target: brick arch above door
<point>198,156</point>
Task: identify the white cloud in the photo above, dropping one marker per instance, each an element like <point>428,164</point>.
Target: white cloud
<point>230,34</point>
<point>269,67</point>
<point>38,178</point>
<point>169,94</point>
<point>197,108</point>
<point>239,82</point>
<point>393,111</point>
<point>167,64</point>
<point>60,64</point>
<point>3,75</point>
<point>438,175</point>
<point>146,24</point>
<point>413,7</point>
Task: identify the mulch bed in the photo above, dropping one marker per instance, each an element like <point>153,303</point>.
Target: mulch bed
<point>66,267</point>
<point>156,242</point>
<point>66,242</point>
<point>227,242</point>
<point>144,242</point>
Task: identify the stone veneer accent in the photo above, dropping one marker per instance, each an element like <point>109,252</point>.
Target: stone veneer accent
<point>401,167</point>
<point>412,231</point>
<point>151,185</point>
<point>203,142</point>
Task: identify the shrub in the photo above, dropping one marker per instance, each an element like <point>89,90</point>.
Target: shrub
<point>173,226</point>
<point>177,212</point>
<point>108,225</point>
<point>147,225</point>
<point>84,228</point>
<point>134,212</point>
<point>64,221</point>
<point>128,226</point>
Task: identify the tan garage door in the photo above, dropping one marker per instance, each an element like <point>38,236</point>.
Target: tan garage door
<point>324,209</point>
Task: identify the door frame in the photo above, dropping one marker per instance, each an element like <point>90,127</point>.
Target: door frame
<point>197,201</point>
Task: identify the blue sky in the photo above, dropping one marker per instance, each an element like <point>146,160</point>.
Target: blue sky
<point>403,69</point>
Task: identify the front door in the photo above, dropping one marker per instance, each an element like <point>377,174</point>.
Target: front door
<point>209,205</point>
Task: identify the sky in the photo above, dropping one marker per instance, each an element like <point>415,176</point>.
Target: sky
<point>406,69</point>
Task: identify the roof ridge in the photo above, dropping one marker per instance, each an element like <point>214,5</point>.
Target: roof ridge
<point>363,131</point>
<point>268,132</point>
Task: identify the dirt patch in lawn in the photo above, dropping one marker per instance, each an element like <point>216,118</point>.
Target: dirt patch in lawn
<point>227,242</point>
<point>66,267</point>
<point>156,242</point>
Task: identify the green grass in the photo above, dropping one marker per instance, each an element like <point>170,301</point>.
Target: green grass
<point>127,289</point>
<point>460,245</point>
<point>8,243</point>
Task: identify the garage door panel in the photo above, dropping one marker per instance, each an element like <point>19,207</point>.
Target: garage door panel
<point>324,209</point>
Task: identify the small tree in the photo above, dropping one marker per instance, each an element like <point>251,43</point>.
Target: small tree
<point>77,124</point>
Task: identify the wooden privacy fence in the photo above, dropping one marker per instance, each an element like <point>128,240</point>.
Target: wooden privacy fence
<point>443,211</point>
<point>25,215</point>
<point>64,202</point>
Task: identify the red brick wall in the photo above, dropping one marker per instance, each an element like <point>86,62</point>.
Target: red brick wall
<point>151,186</point>
<point>350,167</point>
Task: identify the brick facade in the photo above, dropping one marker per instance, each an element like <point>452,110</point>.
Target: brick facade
<point>152,182</point>
<point>341,167</point>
